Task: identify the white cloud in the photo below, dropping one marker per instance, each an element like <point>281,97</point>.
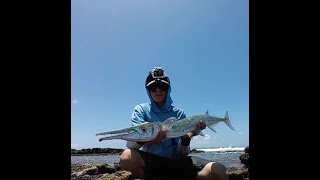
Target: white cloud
<point>200,141</point>
<point>206,137</point>
<point>201,138</point>
<point>74,101</point>
<point>240,133</point>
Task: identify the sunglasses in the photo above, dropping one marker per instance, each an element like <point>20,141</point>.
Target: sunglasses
<point>162,86</point>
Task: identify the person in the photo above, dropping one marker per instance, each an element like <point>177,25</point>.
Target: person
<point>162,157</point>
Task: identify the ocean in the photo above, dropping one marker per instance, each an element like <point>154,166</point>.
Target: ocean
<point>228,156</point>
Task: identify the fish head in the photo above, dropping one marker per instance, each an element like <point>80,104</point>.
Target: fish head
<point>140,133</point>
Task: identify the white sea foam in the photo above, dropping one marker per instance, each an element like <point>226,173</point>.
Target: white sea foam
<point>222,149</point>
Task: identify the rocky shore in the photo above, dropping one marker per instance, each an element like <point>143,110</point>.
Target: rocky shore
<point>99,171</point>
<point>95,151</point>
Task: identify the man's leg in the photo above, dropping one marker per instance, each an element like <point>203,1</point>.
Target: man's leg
<point>213,171</point>
<point>130,160</point>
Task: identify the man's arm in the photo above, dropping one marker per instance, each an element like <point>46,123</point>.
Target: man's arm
<point>137,118</point>
<point>183,148</point>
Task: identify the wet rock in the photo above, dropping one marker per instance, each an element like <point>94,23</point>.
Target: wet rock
<point>196,151</point>
<point>95,171</point>
<point>244,158</point>
<point>95,151</point>
<point>99,171</point>
<point>238,173</point>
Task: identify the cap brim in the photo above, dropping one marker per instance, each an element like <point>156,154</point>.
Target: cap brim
<point>153,81</point>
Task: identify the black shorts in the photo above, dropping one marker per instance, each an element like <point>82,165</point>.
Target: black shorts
<point>157,167</point>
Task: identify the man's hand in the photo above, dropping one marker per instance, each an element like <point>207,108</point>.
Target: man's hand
<point>161,135</point>
<point>200,126</point>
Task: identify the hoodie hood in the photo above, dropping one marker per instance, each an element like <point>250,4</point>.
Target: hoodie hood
<point>167,106</point>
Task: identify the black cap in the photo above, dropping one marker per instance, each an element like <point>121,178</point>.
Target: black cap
<point>157,75</point>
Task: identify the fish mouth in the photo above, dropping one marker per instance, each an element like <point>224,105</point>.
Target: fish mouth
<point>129,135</point>
<point>117,136</point>
<point>140,133</point>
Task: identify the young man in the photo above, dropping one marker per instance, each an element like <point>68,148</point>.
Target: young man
<point>162,157</point>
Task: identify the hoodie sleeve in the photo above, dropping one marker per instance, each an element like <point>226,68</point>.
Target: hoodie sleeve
<point>182,150</point>
<point>137,118</point>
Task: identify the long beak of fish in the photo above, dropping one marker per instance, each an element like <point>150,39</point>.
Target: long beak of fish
<point>119,134</point>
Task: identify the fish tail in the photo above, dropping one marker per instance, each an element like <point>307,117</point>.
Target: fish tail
<point>227,121</point>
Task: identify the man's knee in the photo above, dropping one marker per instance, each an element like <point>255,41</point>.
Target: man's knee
<point>215,171</point>
<point>126,155</point>
<point>130,157</point>
<point>130,160</point>
<point>218,168</point>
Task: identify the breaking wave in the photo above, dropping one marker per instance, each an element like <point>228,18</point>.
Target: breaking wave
<point>222,149</point>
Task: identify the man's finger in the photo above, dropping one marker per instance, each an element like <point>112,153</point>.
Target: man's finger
<point>197,130</point>
<point>201,125</point>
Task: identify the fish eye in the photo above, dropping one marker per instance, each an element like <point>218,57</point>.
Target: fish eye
<point>143,130</point>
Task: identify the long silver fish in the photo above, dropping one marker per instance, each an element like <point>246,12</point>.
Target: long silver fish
<point>186,125</point>
<point>139,133</point>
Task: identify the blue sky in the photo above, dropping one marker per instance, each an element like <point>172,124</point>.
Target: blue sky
<point>203,47</point>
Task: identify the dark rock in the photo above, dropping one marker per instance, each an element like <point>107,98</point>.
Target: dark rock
<point>246,149</point>
<point>196,151</point>
<point>119,175</point>
<point>95,171</point>
<point>244,158</point>
<point>116,166</point>
<point>238,173</point>
<point>99,171</point>
<point>95,151</point>
<point>85,177</point>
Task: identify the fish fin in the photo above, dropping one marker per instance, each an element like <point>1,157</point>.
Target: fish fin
<point>227,121</point>
<point>198,131</point>
<point>226,115</point>
<point>212,129</point>
<point>207,113</point>
<point>201,134</point>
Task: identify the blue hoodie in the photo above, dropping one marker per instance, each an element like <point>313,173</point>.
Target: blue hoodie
<point>150,112</point>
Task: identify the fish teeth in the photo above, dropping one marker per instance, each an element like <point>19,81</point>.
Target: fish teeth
<point>114,132</point>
